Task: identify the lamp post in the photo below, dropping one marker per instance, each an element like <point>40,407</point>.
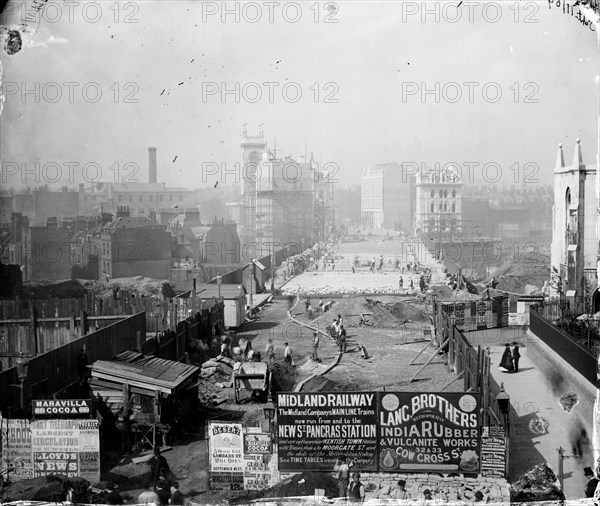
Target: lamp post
<point>22,365</point>
<point>219,282</point>
<point>503,400</point>
<point>269,411</point>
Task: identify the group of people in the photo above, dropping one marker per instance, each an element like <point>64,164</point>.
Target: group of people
<point>161,490</point>
<point>338,332</point>
<point>510,360</point>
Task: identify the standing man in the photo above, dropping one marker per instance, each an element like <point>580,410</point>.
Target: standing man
<point>315,345</point>
<point>356,490</point>
<point>158,466</point>
<point>270,351</point>
<point>401,283</point>
<point>343,469</point>
<point>516,356</point>
<point>287,353</point>
<point>342,339</point>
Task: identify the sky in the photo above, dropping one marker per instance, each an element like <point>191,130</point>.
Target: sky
<point>162,68</point>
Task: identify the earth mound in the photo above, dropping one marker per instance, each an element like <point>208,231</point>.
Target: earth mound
<point>537,484</point>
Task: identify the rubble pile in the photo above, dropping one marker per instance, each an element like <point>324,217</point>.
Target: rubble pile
<point>537,484</point>
<point>215,375</point>
<point>451,489</point>
<point>303,484</point>
<point>145,287</point>
<point>531,269</point>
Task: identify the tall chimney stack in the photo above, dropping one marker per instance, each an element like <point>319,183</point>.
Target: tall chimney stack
<point>152,165</point>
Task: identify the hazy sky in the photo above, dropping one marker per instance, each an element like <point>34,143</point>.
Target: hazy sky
<point>374,52</point>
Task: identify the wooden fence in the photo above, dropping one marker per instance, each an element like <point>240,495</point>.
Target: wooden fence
<point>51,372</point>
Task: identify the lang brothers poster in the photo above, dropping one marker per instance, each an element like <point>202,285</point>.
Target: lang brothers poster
<point>429,432</point>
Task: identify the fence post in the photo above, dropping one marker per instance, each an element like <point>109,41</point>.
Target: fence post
<point>138,338</point>
<point>34,327</point>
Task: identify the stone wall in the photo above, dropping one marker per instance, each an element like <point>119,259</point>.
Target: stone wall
<point>380,485</point>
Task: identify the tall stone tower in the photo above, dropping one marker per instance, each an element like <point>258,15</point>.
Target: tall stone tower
<point>253,148</point>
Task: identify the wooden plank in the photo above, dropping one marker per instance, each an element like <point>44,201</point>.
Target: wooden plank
<point>138,383</point>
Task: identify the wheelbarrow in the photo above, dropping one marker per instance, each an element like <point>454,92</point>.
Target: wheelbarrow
<point>254,377</point>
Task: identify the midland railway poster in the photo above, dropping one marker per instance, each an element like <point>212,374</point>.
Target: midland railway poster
<point>315,429</point>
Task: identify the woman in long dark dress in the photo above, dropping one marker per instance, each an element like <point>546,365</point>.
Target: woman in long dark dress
<point>506,364</point>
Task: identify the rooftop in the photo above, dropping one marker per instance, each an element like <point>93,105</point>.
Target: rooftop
<point>150,373</point>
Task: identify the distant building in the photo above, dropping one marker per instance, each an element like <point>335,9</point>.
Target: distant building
<point>574,252</point>
<point>43,251</point>
<point>439,204</point>
<point>347,206</point>
<point>387,198</point>
<point>284,201</point>
<point>135,246</point>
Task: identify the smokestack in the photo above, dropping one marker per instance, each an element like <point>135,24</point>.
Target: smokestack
<point>152,165</point>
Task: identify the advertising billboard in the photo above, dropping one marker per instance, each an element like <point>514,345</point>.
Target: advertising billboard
<point>315,429</point>
<point>226,456</point>
<point>428,432</point>
<point>62,408</point>
<point>17,461</point>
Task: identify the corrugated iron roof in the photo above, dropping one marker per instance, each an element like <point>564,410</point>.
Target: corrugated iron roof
<point>150,372</point>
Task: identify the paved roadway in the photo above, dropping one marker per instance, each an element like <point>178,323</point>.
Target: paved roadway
<point>531,397</point>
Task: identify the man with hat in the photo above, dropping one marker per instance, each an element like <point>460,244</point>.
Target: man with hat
<point>590,488</point>
<point>157,464</point>
<point>356,490</point>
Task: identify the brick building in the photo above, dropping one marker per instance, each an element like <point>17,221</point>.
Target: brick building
<point>135,246</point>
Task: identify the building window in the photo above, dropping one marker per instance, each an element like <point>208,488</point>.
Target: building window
<point>120,198</point>
<point>445,194</point>
<point>130,198</point>
<point>432,194</point>
<point>151,197</point>
<point>160,197</point>
<point>453,193</point>
<point>441,193</point>
<point>432,207</point>
<point>453,208</point>
<point>170,198</point>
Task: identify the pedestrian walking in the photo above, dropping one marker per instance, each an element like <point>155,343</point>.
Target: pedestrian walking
<point>401,283</point>
<point>340,320</point>
<point>356,490</point>
<point>342,468</point>
<point>411,285</point>
<point>287,354</point>
<point>270,351</point>
<point>315,345</point>
<point>310,312</point>
<point>516,355</point>
<point>506,363</point>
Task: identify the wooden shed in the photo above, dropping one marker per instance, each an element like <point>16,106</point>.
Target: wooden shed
<point>234,300</point>
<point>158,391</point>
